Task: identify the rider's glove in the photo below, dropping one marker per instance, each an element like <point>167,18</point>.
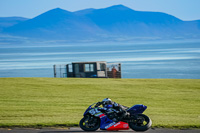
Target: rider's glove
<point>98,104</point>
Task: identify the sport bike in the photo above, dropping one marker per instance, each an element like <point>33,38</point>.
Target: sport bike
<point>96,117</point>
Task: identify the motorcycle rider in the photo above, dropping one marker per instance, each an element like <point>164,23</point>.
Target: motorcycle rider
<point>109,105</point>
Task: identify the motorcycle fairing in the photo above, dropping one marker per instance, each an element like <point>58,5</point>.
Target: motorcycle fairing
<point>108,124</point>
<point>119,126</point>
<point>93,111</point>
<point>86,111</point>
<point>105,122</point>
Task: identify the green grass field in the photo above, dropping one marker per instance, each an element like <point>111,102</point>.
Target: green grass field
<point>32,102</point>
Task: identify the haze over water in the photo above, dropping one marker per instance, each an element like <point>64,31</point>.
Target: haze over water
<point>139,60</point>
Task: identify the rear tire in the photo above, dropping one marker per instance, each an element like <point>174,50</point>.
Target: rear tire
<point>142,123</point>
<point>89,123</point>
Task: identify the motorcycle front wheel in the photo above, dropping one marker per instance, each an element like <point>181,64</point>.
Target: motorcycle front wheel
<point>89,123</point>
<point>140,123</point>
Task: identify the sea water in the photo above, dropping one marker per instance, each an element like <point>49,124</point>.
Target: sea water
<point>179,60</point>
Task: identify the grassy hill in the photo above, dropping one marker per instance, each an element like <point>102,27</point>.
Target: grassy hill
<point>31,102</point>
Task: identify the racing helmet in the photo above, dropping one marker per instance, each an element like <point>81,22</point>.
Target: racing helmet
<point>106,101</point>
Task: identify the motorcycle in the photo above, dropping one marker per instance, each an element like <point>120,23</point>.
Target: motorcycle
<point>96,117</point>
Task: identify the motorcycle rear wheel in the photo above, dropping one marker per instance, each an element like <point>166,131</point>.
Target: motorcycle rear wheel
<point>89,123</point>
<point>141,123</point>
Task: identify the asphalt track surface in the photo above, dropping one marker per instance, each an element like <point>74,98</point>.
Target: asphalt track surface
<point>78,130</point>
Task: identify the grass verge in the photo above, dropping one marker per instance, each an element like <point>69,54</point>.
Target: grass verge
<point>47,102</point>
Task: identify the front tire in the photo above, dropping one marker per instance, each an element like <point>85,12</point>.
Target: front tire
<point>89,123</point>
<point>141,123</point>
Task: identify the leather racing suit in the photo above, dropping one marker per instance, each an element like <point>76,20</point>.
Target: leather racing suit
<point>114,107</point>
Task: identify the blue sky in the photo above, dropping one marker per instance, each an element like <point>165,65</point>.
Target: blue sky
<point>183,9</point>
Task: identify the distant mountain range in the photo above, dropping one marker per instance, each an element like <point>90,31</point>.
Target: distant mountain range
<point>113,23</point>
<point>10,21</point>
